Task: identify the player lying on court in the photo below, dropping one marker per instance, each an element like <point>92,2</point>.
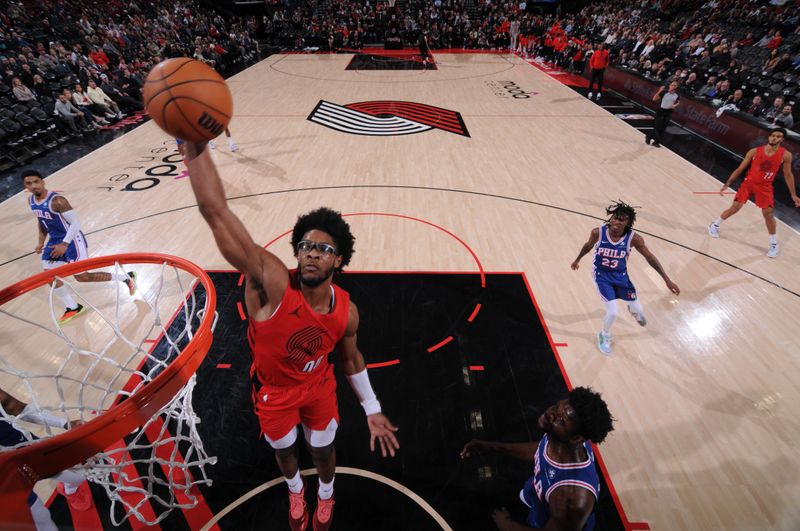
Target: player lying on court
<point>296,318</point>
<point>765,162</point>
<point>612,244</point>
<point>563,491</point>
<point>58,225</point>
<point>72,484</point>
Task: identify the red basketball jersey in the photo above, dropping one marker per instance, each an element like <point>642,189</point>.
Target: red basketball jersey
<point>763,168</point>
<point>292,346</point>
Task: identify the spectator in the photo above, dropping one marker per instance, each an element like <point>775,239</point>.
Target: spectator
<point>709,89</point>
<point>21,92</point>
<point>756,107</point>
<point>69,114</point>
<point>99,97</point>
<point>598,63</point>
<point>82,103</point>
<point>776,109</point>
<point>785,118</point>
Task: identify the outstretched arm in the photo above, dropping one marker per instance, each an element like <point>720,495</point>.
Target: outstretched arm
<point>638,243</point>
<point>233,240</point>
<point>593,237</point>
<point>738,171</point>
<point>355,369</point>
<point>525,451</point>
<point>788,176</point>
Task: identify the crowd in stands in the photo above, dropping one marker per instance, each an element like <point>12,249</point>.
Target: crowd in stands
<point>84,64</point>
<point>740,55</point>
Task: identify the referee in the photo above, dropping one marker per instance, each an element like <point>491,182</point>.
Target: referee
<point>668,101</point>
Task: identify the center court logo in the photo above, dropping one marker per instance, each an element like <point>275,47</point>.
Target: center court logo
<point>387,118</point>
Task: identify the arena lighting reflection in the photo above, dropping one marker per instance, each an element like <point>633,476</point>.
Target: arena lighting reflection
<point>706,325</point>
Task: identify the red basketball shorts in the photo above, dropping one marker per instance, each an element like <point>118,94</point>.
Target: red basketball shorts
<point>765,198</point>
<point>279,409</point>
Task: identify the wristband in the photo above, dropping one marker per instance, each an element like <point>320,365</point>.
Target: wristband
<point>363,390</point>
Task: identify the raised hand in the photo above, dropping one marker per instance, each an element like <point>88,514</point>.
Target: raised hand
<point>475,447</point>
<point>382,429</point>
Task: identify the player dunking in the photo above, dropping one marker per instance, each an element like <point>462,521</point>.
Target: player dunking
<point>764,162</point>
<point>297,318</point>
<point>563,491</point>
<point>612,244</point>
<point>58,224</point>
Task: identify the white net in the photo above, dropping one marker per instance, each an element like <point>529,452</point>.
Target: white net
<point>69,374</point>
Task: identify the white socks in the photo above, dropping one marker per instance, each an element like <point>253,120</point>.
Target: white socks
<point>325,489</point>
<point>610,317</point>
<point>66,297</point>
<point>773,239</point>
<point>295,483</point>
<point>718,222</point>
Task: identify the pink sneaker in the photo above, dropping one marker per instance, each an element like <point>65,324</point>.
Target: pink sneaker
<point>298,510</point>
<point>323,516</point>
<point>80,500</point>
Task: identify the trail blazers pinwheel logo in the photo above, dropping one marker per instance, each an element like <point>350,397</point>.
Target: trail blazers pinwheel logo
<point>387,118</point>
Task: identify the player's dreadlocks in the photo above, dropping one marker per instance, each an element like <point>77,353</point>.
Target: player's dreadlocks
<point>594,419</point>
<point>330,221</point>
<point>622,210</point>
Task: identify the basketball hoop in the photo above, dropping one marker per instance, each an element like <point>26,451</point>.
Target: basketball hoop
<point>107,374</point>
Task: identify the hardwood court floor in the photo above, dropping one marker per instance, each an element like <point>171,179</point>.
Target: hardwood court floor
<point>703,396</point>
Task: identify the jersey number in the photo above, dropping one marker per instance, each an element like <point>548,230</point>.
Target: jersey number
<point>769,175</point>
<point>610,263</point>
<point>313,364</point>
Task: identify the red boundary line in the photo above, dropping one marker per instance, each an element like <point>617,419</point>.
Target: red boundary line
<point>599,458</point>
<point>440,344</point>
<point>560,345</point>
<point>477,368</point>
<point>474,313</point>
<point>714,193</point>
<point>382,364</point>
<point>639,525</point>
<point>223,365</point>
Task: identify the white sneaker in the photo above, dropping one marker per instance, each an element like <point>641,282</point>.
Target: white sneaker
<point>773,250</point>
<point>233,146</point>
<point>639,317</point>
<point>598,97</point>
<point>713,230</point>
<point>604,343</point>
<point>590,95</point>
<point>211,144</point>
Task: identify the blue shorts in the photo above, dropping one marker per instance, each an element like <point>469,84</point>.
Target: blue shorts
<point>615,285</point>
<point>76,250</point>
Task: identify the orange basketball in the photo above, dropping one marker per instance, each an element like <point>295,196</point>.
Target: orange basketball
<point>188,99</point>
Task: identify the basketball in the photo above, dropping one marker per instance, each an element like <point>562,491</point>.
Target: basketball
<point>188,99</point>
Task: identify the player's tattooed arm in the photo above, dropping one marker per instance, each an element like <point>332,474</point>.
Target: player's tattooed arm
<point>593,237</point>
<point>638,243</point>
<point>60,204</point>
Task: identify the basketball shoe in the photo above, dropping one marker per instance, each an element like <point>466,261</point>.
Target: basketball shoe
<point>323,516</point>
<point>713,230</point>
<point>70,314</point>
<point>131,282</point>
<point>639,317</point>
<point>80,500</point>
<point>298,510</point>
<point>604,343</point>
<point>773,250</point>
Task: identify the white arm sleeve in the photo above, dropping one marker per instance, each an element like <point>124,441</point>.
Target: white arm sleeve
<point>363,390</point>
<point>74,225</point>
<point>30,414</point>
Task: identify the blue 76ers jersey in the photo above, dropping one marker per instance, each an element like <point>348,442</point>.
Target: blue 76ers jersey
<point>57,227</point>
<point>548,475</point>
<point>611,256</point>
